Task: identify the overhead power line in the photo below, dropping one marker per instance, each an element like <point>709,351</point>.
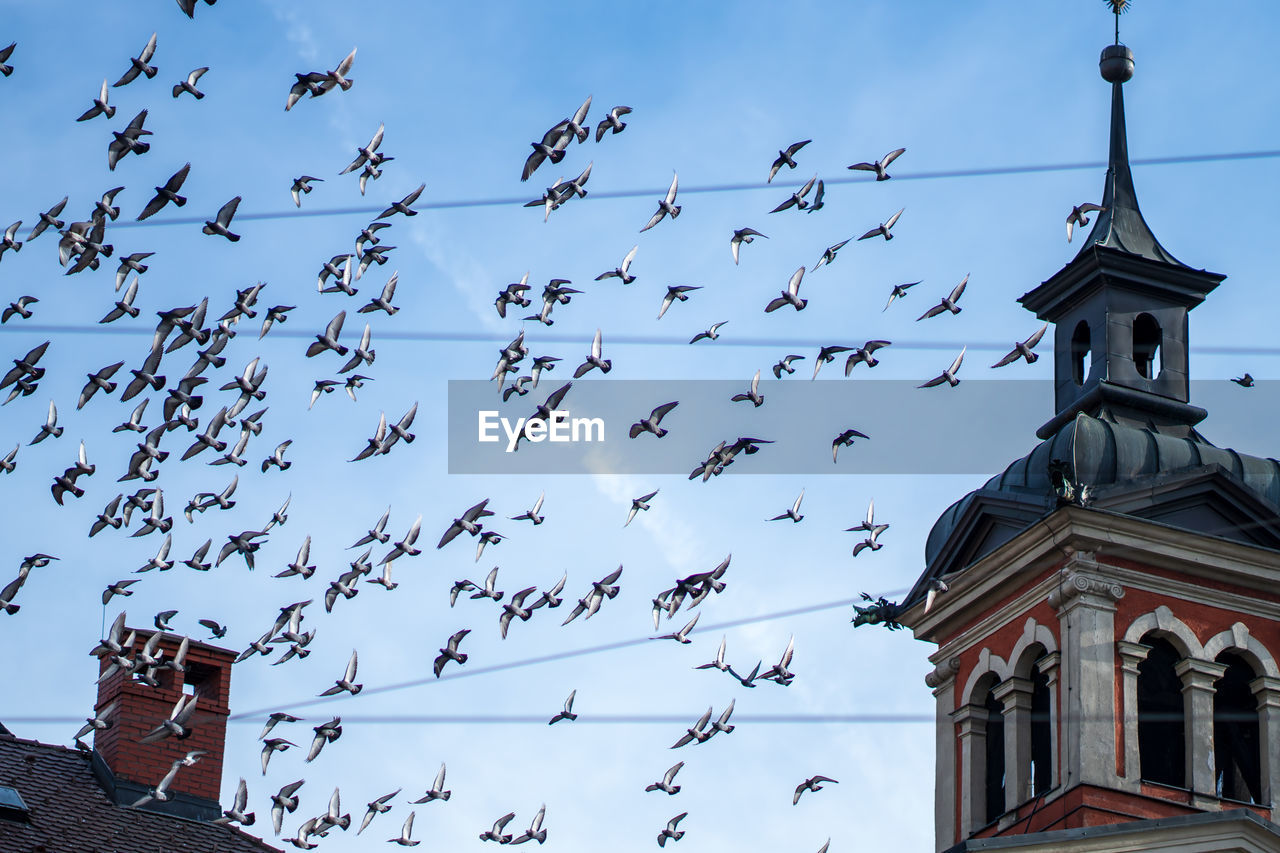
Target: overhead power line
<point>980,172</point>
<point>480,336</point>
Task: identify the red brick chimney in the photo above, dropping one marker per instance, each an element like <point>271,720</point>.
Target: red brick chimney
<point>133,768</point>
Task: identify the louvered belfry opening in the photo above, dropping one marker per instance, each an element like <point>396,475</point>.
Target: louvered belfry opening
<point>136,767</point>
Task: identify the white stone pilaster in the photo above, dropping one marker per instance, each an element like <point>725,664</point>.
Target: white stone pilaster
<point>971,721</point>
<point>1015,698</point>
<point>1131,655</point>
<point>943,683</point>
<point>1198,677</point>
<point>1049,666</point>
<point>1267,689</point>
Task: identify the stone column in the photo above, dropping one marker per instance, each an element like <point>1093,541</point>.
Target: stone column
<point>1085,603</point>
<point>1131,654</point>
<point>1267,689</point>
<point>943,682</point>
<point>1198,677</point>
<point>1048,666</point>
<point>1015,697</point>
<point>971,722</point>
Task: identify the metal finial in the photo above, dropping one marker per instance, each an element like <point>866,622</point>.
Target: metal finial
<point>1118,8</point>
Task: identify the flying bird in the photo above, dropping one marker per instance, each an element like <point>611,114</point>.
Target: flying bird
<point>1023,349</point>
<point>301,186</point>
<point>948,302</point>
<point>740,236</point>
<point>948,375</point>
<point>667,206</point>
<point>622,272</point>
<point>793,513</point>
<point>167,193</point>
<point>898,291</point>
<point>1245,381</point>
<point>139,64</point>
<point>790,296</point>
<point>651,423</point>
<point>221,224</point>
<point>797,198</point>
<point>864,355</point>
<point>1079,216</point>
<point>567,713</point>
<point>882,230</point>
<point>752,395</point>
<point>879,166</point>
<point>189,84</point>
<point>784,365</point>
<point>786,158</point>
<point>128,140</point>
<point>450,653</point>
<point>612,121</point>
<point>710,334</point>
<point>845,439</point>
<point>813,783</point>
<point>639,504</point>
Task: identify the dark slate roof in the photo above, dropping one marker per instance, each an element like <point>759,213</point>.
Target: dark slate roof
<point>69,811</point>
<point>1125,468</point>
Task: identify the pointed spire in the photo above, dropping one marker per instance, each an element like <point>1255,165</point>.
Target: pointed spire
<point>1120,225</point>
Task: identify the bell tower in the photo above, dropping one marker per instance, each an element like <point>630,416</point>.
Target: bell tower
<point>1107,673</point>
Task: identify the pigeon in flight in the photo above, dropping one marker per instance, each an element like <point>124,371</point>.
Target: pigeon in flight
<point>899,291</point>
<point>813,783</point>
<point>786,158</point>
<point>128,140</point>
<point>450,653</point>
<point>651,423</point>
<point>670,831</point>
<point>667,206</point>
<point>551,147</point>
<point>797,198</point>
<point>189,84</point>
<point>710,334</point>
<point>612,121</point>
<point>1245,381</point>
<point>674,292</point>
<point>346,683</point>
<point>1079,216</point>
<point>753,395</point>
<point>623,270</point>
<point>784,365</point>
<point>100,107</point>
<point>948,302</point>
<point>882,230</point>
<point>790,296</point>
<point>845,439</point>
<point>403,205</point>
<point>665,785</point>
<point>868,525</point>
<point>496,834</point>
<point>829,254</point>
<point>532,514</point>
<point>740,236</point>
<point>567,713</point>
<point>167,193</point>
<point>436,792</point>
<point>948,375</point>
<point>221,224</point>
<point>138,65</point>
<point>5,53</point>
<point>864,355</point>
<point>595,359</point>
<point>48,219</point>
<point>638,504</point>
<point>1023,349</point>
<point>826,355</point>
<point>879,166</point>
<point>302,186</point>
<point>794,512</point>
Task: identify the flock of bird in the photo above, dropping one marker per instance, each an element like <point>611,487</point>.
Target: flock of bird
<point>211,426</point>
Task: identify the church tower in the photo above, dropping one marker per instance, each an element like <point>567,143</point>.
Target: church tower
<point>1108,665</point>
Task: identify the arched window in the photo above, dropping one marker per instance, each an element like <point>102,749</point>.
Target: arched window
<point>1080,345</point>
<point>1161,718</point>
<point>1146,346</point>
<point>994,758</point>
<point>1235,733</point>
<point>1041,735</point>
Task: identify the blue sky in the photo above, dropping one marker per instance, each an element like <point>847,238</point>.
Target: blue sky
<point>717,89</point>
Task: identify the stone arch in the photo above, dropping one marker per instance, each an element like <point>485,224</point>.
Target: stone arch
<point>988,664</point>
<point>1238,639</point>
<point>1165,624</point>
<point>1020,662</point>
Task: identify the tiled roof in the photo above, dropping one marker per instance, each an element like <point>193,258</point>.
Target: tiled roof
<point>70,812</point>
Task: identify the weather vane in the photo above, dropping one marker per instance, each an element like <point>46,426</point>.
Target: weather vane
<point>1118,8</point>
